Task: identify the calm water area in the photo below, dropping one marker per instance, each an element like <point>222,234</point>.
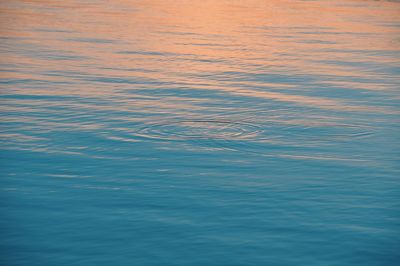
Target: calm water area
<point>199,133</point>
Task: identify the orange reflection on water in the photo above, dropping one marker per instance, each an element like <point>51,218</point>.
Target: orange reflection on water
<point>213,45</point>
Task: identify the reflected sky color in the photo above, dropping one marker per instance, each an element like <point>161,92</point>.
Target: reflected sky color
<point>249,132</point>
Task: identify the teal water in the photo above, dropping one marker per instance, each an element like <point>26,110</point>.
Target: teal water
<point>199,132</point>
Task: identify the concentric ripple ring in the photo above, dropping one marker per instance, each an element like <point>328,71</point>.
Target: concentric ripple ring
<point>199,129</point>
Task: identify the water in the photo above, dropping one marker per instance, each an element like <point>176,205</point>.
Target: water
<point>200,132</point>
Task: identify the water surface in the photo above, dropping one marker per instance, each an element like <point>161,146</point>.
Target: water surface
<point>199,132</point>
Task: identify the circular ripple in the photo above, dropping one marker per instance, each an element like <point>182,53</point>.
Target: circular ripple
<point>199,129</point>
<point>265,136</point>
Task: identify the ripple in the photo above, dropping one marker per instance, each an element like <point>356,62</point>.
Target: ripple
<point>258,135</point>
<point>199,130</point>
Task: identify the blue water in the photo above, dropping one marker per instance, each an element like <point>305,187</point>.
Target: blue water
<point>200,132</point>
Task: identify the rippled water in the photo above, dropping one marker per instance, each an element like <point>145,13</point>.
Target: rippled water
<point>200,132</point>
